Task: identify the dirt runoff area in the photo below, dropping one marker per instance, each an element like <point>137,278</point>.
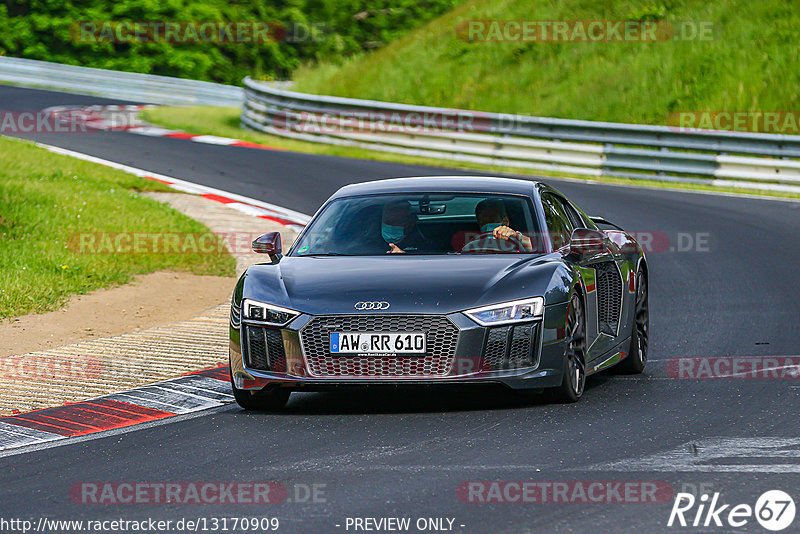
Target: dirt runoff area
<point>162,325</point>
<point>150,300</point>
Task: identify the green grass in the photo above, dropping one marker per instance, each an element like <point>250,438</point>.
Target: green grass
<point>46,200</point>
<point>224,122</point>
<point>750,65</point>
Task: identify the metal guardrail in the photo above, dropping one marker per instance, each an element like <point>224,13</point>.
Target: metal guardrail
<point>144,88</point>
<point>717,158</point>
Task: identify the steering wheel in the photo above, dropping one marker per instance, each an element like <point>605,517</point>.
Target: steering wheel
<point>486,242</point>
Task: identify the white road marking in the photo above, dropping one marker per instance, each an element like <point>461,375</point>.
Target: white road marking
<point>176,392</point>
<point>204,392</point>
<point>58,441</point>
<point>248,209</point>
<point>760,371</point>
<point>183,185</point>
<point>14,435</point>
<point>402,468</point>
<point>180,395</point>
<point>132,397</point>
<point>152,130</point>
<point>175,401</point>
<point>214,139</point>
<point>714,455</point>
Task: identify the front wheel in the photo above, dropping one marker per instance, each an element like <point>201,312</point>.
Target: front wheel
<point>571,388</point>
<point>260,400</point>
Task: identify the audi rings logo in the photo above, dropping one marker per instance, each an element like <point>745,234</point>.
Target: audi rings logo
<point>372,305</point>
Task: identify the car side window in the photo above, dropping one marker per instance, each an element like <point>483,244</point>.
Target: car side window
<point>558,222</point>
<point>574,217</point>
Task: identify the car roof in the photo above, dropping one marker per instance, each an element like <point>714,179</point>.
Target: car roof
<point>449,184</point>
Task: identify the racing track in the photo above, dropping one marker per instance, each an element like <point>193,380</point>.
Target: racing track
<point>390,454</point>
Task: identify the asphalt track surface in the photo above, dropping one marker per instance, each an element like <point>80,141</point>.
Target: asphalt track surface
<point>391,454</point>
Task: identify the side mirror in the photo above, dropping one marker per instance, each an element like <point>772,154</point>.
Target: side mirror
<point>587,242</point>
<point>268,244</point>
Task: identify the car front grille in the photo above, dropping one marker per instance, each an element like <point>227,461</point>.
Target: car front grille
<point>609,297</point>
<point>441,336</point>
<point>265,350</point>
<point>509,347</point>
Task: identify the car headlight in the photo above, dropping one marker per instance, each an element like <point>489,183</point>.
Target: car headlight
<point>517,311</point>
<point>267,313</point>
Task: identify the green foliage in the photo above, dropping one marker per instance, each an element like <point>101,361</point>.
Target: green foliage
<point>328,30</point>
<point>749,64</point>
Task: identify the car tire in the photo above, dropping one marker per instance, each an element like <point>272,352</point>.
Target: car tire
<point>574,379</point>
<point>640,332</point>
<point>260,400</point>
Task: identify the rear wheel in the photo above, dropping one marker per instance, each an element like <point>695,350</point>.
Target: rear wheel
<point>640,335</point>
<point>574,380</point>
<point>260,400</point>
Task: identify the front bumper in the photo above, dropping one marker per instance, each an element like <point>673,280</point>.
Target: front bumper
<point>478,357</point>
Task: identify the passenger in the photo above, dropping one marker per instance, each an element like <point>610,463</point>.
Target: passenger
<point>399,229</point>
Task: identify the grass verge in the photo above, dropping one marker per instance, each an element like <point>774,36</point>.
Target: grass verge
<point>48,200</point>
<point>736,55</point>
<point>224,122</point>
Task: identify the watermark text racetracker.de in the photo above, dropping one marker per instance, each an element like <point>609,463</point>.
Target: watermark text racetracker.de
<point>764,121</point>
<point>188,32</point>
<point>201,492</point>
<point>735,367</point>
<point>584,31</point>
<point>46,366</point>
<point>651,242</point>
<point>563,492</point>
<point>41,121</point>
<point>161,242</point>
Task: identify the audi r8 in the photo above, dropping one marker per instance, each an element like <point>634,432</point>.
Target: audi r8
<point>440,280</point>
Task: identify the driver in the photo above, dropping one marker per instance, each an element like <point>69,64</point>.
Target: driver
<point>495,232</point>
<point>399,229</point>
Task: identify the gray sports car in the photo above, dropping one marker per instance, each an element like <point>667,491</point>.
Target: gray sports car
<point>440,280</point>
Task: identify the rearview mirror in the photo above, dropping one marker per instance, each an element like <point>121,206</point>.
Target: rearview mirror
<point>268,244</point>
<point>432,209</point>
<point>587,242</point>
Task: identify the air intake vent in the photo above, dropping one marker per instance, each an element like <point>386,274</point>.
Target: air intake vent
<point>275,351</point>
<point>520,354</point>
<point>509,347</point>
<point>609,297</point>
<point>265,350</point>
<point>496,347</point>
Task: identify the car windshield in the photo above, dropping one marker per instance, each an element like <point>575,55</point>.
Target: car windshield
<point>422,224</point>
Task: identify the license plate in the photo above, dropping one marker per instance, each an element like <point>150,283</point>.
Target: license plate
<point>378,343</point>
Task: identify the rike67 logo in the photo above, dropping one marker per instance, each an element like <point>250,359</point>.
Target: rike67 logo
<point>774,510</point>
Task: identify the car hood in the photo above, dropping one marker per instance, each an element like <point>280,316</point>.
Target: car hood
<point>410,284</point>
